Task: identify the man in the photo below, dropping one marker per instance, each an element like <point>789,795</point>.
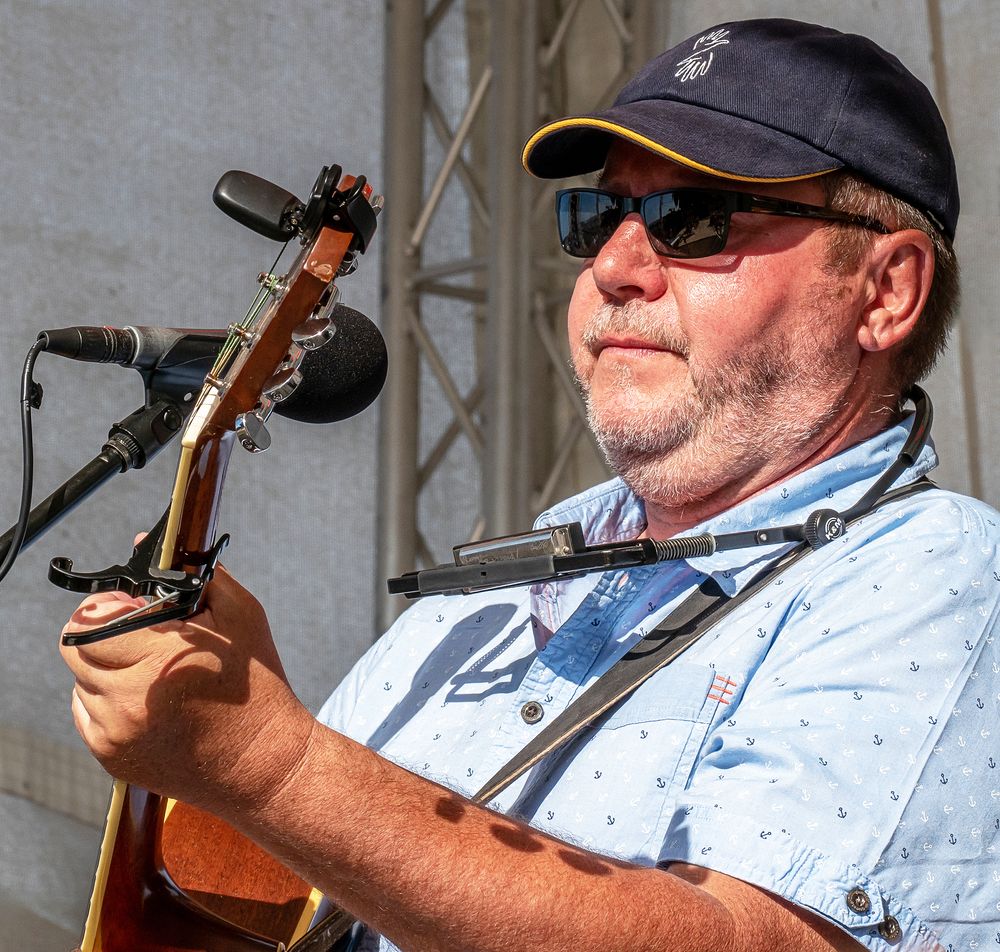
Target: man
<point>816,773</point>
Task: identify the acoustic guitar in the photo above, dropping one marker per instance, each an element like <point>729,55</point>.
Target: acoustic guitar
<point>170,877</point>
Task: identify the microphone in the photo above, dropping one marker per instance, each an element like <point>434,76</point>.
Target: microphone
<point>344,376</point>
<point>339,379</point>
<point>139,347</point>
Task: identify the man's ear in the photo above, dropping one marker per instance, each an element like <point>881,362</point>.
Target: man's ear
<point>900,272</point>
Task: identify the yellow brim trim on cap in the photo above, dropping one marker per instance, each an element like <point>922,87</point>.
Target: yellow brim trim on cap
<point>653,147</point>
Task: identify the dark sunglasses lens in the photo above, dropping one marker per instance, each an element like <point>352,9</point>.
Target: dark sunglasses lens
<point>686,223</point>
<point>587,220</point>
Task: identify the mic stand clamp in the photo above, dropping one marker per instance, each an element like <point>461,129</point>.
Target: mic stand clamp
<point>143,433</point>
<point>131,443</point>
<point>178,592</point>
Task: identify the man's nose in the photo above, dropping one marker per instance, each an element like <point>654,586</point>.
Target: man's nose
<point>627,268</point>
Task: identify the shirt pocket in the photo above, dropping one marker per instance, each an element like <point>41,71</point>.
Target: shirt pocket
<point>613,790</point>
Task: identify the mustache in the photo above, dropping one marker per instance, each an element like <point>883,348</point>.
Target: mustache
<point>631,320</point>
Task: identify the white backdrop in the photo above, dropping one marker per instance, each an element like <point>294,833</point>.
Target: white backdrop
<point>117,119</point>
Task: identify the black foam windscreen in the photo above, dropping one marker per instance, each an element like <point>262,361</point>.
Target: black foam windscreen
<point>344,376</point>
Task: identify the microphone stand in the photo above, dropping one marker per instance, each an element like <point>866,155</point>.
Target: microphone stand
<point>131,443</point>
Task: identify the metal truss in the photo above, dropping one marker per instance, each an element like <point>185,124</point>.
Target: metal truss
<point>483,404</point>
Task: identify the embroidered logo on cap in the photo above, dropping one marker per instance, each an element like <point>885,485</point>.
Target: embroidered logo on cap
<point>698,62</point>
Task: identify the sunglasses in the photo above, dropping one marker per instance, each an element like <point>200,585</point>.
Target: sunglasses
<point>680,222</point>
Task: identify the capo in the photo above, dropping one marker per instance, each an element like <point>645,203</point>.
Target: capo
<point>179,592</point>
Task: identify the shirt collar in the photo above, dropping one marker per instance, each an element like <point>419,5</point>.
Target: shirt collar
<point>611,512</point>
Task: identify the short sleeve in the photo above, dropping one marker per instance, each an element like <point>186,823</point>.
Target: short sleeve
<point>856,774</point>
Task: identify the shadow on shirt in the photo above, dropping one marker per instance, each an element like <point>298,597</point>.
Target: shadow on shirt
<point>446,665</point>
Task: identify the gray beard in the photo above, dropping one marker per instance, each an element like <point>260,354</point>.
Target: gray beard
<point>763,402</point>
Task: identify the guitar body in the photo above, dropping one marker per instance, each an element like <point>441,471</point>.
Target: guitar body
<point>172,878</point>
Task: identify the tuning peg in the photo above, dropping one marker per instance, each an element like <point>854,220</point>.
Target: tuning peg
<point>319,327</point>
<point>245,334</point>
<point>252,433</point>
<point>314,333</point>
<point>281,386</point>
<point>275,284</point>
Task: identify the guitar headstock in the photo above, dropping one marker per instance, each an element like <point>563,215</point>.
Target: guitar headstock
<point>258,365</point>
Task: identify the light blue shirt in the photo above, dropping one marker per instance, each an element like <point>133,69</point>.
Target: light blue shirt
<point>836,740</point>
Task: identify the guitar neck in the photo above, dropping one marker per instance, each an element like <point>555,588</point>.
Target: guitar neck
<point>172,878</point>
<point>194,503</point>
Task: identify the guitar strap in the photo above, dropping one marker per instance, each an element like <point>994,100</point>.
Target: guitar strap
<point>699,613</point>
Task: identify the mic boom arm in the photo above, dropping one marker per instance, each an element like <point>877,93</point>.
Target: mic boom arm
<point>131,443</point>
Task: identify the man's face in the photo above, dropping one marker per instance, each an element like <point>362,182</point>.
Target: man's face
<point>707,373</point>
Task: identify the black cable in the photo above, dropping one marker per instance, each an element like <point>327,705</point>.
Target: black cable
<point>820,527</point>
<point>923,417</point>
<point>28,459</point>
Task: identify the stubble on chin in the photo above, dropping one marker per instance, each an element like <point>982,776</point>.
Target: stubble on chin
<point>681,447</point>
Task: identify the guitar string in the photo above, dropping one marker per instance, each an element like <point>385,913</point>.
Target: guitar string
<point>233,342</point>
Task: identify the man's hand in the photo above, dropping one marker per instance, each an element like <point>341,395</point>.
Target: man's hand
<point>197,709</point>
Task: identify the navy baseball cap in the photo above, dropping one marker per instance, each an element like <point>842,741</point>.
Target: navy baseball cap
<point>772,101</point>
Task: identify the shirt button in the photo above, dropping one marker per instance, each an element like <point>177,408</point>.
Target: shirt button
<point>532,712</point>
<point>889,929</point>
<point>858,901</point>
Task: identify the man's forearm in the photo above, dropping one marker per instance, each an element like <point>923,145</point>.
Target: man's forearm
<point>192,712</point>
<point>432,871</point>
